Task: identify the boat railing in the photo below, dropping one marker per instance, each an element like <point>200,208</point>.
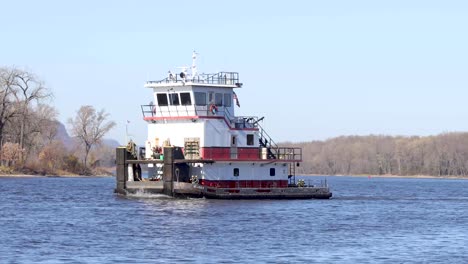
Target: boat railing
<point>309,183</point>
<point>226,78</point>
<point>167,111</point>
<point>174,111</point>
<point>287,153</point>
<point>148,110</point>
<point>238,122</point>
<point>241,122</point>
<point>265,139</point>
<point>222,153</point>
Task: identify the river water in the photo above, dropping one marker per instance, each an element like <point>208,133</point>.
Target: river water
<point>368,220</point>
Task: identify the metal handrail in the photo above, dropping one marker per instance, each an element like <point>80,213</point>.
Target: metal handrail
<point>230,78</point>
<point>288,153</point>
<point>264,136</point>
<point>181,110</point>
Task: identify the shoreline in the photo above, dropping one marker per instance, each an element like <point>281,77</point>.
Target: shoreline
<point>306,175</point>
<point>52,176</point>
<point>97,172</point>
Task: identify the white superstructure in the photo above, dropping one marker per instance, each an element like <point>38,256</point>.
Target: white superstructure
<point>196,112</point>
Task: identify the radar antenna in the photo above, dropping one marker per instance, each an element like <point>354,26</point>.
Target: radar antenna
<point>194,73</point>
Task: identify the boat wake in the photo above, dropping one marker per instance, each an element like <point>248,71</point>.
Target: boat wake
<point>146,195</point>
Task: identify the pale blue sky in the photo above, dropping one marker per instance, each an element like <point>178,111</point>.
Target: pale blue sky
<point>314,69</point>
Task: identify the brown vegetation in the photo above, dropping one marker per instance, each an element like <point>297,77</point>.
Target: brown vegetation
<point>28,131</point>
<point>441,155</point>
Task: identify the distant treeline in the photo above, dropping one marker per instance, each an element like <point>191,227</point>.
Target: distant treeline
<point>441,155</point>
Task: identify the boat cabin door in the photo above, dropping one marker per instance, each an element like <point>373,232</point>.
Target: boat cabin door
<point>233,147</point>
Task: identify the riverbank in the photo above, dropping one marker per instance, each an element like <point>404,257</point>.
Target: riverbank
<point>50,176</point>
<point>97,172</point>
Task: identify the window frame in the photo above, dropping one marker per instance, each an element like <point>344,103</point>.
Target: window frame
<point>272,172</point>
<point>165,96</point>
<point>250,139</point>
<point>218,99</point>
<point>198,96</point>
<point>174,99</point>
<point>185,98</point>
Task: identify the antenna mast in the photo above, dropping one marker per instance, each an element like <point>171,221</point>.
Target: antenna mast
<point>194,64</point>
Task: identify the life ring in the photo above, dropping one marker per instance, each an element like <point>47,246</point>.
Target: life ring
<point>213,109</point>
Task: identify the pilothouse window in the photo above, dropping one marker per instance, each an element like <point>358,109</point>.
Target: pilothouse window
<point>185,99</point>
<point>174,98</point>
<point>219,99</point>
<point>162,99</point>
<point>200,98</point>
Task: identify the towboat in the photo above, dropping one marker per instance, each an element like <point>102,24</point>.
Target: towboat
<point>198,147</point>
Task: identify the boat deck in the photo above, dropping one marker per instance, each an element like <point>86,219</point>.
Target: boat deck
<point>196,190</point>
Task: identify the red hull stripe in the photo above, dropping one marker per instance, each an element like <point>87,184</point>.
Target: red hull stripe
<point>245,184</point>
<point>225,154</point>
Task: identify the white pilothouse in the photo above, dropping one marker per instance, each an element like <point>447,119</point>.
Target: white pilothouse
<point>213,152</point>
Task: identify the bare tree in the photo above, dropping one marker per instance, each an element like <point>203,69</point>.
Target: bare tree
<point>90,127</point>
<point>7,104</point>
<point>38,130</point>
<point>28,88</point>
<point>20,94</point>
<point>46,122</point>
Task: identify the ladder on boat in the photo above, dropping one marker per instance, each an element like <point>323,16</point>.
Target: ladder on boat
<point>292,173</point>
<point>266,142</point>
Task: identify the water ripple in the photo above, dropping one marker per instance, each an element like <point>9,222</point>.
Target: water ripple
<point>57,220</point>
